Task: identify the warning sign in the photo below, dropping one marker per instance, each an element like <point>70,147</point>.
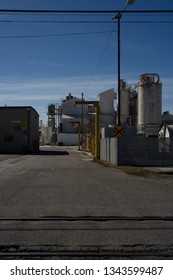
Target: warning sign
<point>119,131</point>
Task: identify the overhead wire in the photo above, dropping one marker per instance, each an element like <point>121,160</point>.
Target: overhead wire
<point>84,13</point>
<point>86,21</point>
<point>147,21</point>
<point>56,21</point>
<point>100,59</point>
<point>54,35</point>
<point>39,11</point>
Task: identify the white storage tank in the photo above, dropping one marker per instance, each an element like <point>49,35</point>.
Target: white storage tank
<point>149,106</point>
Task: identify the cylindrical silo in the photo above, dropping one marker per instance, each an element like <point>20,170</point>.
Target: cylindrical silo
<point>149,104</point>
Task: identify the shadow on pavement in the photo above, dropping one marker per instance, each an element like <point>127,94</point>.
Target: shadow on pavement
<point>52,153</point>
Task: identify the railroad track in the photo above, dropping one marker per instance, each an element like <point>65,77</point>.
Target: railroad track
<point>89,224</point>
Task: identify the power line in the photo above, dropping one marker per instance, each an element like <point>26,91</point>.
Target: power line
<point>87,22</point>
<point>83,11</point>
<point>54,35</point>
<point>56,21</point>
<point>100,59</point>
<point>56,11</point>
<point>147,21</point>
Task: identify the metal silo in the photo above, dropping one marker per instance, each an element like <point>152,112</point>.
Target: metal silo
<point>149,104</point>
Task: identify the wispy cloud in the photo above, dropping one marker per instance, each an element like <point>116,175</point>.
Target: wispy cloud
<point>48,64</point>
<point>41,92</point>
<point>35,89</point>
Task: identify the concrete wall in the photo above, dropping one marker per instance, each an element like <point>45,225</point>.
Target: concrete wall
<point>114,151</point>
<point>68,139</point>
<point>108,150</point>
<point>104,149</point>
<point>137,151</point>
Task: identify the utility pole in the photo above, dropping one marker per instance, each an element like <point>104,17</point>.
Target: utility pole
<point>97,127</point>
<point>118,17</point>
<point>82,122</point>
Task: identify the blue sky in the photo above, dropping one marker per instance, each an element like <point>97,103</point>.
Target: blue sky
<point>75,53</point>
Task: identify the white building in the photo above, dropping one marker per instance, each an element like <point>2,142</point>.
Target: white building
<point>71,115</point>
<point>107,113</point>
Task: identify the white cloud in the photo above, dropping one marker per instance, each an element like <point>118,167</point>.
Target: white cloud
<point>41,92</point>
<point>17,90</point>
<point>49,64</point>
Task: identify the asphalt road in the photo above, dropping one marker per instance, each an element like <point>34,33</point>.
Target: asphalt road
<point>61,182</point>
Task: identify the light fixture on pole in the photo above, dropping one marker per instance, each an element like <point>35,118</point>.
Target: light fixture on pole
<point>118,17</point>
<point>129,2</point>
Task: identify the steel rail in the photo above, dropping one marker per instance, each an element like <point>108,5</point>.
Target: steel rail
<point>86,254</point>
<point>88,218</point>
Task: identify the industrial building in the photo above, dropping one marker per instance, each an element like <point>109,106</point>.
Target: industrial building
<point>72,113</point>
<point>64,120</point>
<point>142,107</point>
<point>148,135</point>
<point>107,111</point>
<point>19,129</point>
